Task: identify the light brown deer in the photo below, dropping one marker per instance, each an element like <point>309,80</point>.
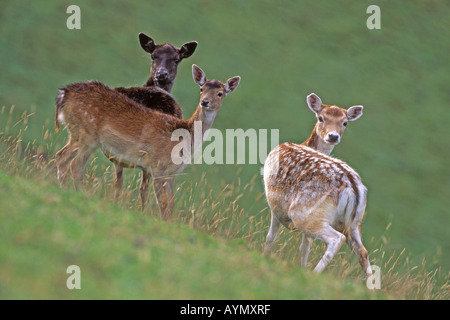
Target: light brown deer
<point>99,117</point>
<point>309,191</point>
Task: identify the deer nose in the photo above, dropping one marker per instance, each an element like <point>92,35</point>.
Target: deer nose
<point>162,75</point>
<point>333,137</point>
<point>205,102</point>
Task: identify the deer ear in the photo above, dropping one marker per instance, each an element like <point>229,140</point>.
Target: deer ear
<point>198,75</point>
<point>314,103</point>
<point>187,49</point>
<point>146,42</point>
<point>354,113</point>
<point>232,84</point>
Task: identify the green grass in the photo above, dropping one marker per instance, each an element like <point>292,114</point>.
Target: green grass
<point>283,51</point>
<point>124,255</point>
<point>210,251</point>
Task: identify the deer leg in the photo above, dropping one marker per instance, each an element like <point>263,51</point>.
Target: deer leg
<point>78,164</point>
<point>355,243</point>
<point>164,195</point>
<point>304,249</point>
<point>171,197</point>
<point>63,158</point>
<point>118,181</point>
<point>272,234</point>
<point>334,241</point>
<point>144,188</point>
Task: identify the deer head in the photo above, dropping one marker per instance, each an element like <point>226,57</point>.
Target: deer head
<point>331,120</point>
<point>165,60</point>
<point>212,92</point>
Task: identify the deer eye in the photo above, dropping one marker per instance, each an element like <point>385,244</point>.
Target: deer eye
<point>345,123</point>
<point>320,119</point>
<point>220,94</point>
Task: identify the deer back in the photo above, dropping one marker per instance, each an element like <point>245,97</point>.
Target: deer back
<point>301,182</point>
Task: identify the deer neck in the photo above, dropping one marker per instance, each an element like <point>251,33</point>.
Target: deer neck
<point>167,86</point>
<point>201,121</point>
<point>316,143</point>
<point>205,117</point>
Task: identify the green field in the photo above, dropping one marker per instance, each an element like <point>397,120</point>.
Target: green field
<point>122,255</point>
<point>283,51</point>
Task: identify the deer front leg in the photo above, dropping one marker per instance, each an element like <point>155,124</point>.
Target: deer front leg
<point>272,234</point>
<point>164,195</point>
<point>144,188</point>
<point>304,249</point>
<point>118,181</point>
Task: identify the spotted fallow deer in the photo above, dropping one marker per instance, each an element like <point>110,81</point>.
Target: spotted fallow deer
<point>309,191</point>
<point>155,93</point>
<point>99,117</point>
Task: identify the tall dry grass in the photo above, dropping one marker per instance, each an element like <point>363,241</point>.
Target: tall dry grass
<point>223,214</point>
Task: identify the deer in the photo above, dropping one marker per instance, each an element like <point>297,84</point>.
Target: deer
<point>97,116</point>
<point>164,68</point>
<point>309,191</point>
<point>155,94</point>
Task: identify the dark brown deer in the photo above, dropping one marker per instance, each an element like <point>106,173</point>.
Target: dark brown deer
<point>99,117</point>
<point>155,94</point>
<point>165,60</point>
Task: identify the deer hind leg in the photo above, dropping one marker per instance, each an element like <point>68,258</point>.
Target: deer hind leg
<point>63,158</point>
<point>304,249</point>
<point>355,243</point>
<point>334,241</point>
<point>118,181</point>
<point>164,195</point>
<point>144,188</point>
<point>78,164</point>
<point>272,234</point>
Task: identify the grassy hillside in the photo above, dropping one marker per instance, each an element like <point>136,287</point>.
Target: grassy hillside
<point>211,250</point>
<point>283,51</point>
<point>125,255</point>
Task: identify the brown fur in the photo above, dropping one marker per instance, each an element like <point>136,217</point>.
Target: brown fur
<point>155,94</point>
<point>154,98</point>
<point>97,116</point>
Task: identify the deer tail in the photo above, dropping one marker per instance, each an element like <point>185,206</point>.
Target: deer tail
<point>59,118</point>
